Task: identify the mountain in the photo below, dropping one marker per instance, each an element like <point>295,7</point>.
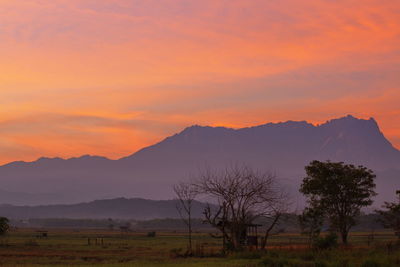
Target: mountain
<point>119,208</point>
<point>19,198</point>
<point>278,145</point>
<point>282,148</point>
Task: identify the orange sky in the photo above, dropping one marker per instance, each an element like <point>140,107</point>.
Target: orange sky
<point>108,77</point>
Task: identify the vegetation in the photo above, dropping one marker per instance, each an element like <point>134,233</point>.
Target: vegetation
<point>391,215</point>
<point>4,226</point>
<point>335,193</point>
<point>327,242</point>
<point>24,247</point>
<point>338,191</point>
<point>186,194</point>
<point>243,195</point>
<point>311,222</point>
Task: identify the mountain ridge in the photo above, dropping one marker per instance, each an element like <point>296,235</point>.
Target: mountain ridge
<point>284,148</point>
<point>287,123</point>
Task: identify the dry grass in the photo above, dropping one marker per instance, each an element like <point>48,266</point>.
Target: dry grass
<point>70,248</point>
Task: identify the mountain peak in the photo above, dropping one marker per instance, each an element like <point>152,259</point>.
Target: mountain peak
<point>351,118</point>
<point>345,121</point>
<point>350,121</point>
<point>197,130</point>
<point>197,127</point>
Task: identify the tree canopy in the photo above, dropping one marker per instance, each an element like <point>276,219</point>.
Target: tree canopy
<point>4,226</point>
<point>243,195</point>
<point>339,190</point>
<point>391,215</point>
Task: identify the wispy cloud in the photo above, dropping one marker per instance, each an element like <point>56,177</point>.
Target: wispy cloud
<point>108,77</point>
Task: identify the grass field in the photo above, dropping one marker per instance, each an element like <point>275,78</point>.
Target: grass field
<point>23,247</point>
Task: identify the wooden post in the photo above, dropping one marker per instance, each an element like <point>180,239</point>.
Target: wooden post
<point>223,228</point>
<point>256,239</point>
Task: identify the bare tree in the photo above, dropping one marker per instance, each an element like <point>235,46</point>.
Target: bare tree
<point>274,219</point>
<point>186,194</point>
<point>243,195</point>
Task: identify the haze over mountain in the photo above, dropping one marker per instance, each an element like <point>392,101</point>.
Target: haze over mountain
<point>283,148</point>
<point>119,208</point>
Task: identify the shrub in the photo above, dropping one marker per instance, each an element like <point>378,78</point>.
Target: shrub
<point>274,262</point>
<point>343,263</point>
<point>285,262</point>
<point>31,243</point>
<point>370,263</point>
<point>4,225</point>
<point>176,253</point>
<point>320,264</point>
<point>273,254</point>
<point>249,255</point>
<point>307,256</point>
<point>151,234</point>
<point>326,242</point>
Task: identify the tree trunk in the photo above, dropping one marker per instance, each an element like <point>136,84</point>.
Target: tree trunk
<point>236,240</point>
<point>264,240</point>
<point>190,232</point>
<point>344,234</point>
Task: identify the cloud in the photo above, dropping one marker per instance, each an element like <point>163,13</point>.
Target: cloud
<point>66,135</point>
<point>105,77</point>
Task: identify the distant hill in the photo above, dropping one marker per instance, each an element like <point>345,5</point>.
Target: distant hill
<point>119,208</point>
<point>18,198</point>
<point>283,148</point>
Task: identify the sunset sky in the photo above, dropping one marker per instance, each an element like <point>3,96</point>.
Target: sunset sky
<point>108,77</point>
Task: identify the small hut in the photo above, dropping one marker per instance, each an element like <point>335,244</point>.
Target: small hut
<point>251,235</point>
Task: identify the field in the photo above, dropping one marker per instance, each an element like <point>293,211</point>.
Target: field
<point>27,247</point>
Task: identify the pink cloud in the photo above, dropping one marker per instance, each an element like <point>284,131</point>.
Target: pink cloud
<point>179,62</point>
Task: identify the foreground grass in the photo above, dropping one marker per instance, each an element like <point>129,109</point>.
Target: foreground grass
<point>71,248</point>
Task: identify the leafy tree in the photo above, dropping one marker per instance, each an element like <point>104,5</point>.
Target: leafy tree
<point>340,191</point>
<point>311,221</point>
<point>4,226</point>
<point>391,216</point>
